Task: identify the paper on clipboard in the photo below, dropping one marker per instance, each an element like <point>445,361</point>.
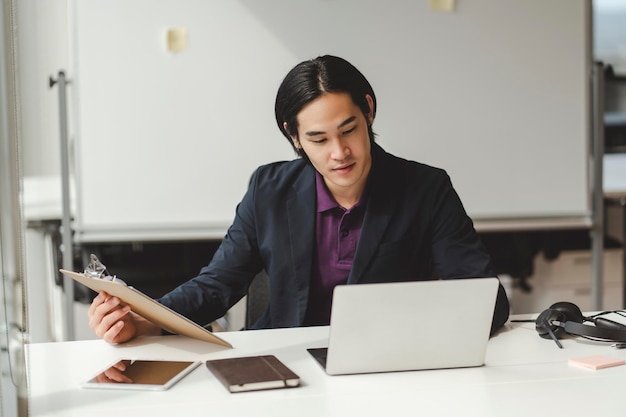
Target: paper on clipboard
<point>147,307</point>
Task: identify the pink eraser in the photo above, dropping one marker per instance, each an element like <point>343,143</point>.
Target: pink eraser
<point>596,362</point>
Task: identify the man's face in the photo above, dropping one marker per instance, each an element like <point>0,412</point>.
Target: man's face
<point>333,132</point>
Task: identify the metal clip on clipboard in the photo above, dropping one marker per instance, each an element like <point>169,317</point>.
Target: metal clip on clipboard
<point>97,269</point>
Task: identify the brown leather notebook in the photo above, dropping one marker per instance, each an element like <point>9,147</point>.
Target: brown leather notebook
<point>253,373</point>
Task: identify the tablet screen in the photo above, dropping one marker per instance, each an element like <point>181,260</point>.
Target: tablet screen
<point>141,374</point>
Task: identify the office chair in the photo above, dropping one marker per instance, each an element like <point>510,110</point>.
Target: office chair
<point>257,299</point>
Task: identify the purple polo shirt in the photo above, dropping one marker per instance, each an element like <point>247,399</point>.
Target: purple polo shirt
<point>337,232</point>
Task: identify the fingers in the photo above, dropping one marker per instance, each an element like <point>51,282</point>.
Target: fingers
<point>107,316</point>
<point>95,309</point>
<point>114,374</point>
<point>99,299</point>
<point>105,309</point>
<point>115,333</point>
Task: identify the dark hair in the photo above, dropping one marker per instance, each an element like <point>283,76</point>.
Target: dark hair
<point>310,80</point>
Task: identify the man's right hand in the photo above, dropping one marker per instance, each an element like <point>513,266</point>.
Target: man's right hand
<point>114,322</point>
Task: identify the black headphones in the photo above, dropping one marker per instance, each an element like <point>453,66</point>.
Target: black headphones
<point>566,318</point>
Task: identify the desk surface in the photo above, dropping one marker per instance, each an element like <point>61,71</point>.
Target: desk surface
<point>523,375</point>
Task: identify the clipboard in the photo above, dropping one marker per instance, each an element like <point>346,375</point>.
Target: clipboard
<point>147,307</point>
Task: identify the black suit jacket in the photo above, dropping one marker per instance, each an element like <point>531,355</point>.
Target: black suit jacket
<point>415,228</point>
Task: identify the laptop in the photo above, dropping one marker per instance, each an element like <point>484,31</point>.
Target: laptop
<point>406,326</point>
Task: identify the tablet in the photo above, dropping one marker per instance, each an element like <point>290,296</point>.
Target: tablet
<point>141,374</point>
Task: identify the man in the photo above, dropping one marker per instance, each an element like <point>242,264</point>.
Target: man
<point>346,212</point>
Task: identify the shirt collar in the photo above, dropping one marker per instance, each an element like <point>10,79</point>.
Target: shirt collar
<point>326,201</point>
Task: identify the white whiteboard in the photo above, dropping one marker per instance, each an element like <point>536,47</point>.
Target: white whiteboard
<point>497,93</point>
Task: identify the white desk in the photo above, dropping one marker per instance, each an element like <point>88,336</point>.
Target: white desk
<point>524,376</point>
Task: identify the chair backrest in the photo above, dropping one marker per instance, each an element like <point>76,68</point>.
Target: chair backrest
<point>257,299</point>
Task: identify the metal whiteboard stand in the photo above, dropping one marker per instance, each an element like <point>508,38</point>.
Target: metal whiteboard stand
<point>597,185</point>
<point>66,227</point>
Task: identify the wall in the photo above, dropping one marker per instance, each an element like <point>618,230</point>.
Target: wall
<point>44,50</point>
<point>493,93</point>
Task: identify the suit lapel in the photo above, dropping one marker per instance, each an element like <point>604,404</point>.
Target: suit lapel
<point>382,201</point>
<point>301,229</point>
<point>301,207</point>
